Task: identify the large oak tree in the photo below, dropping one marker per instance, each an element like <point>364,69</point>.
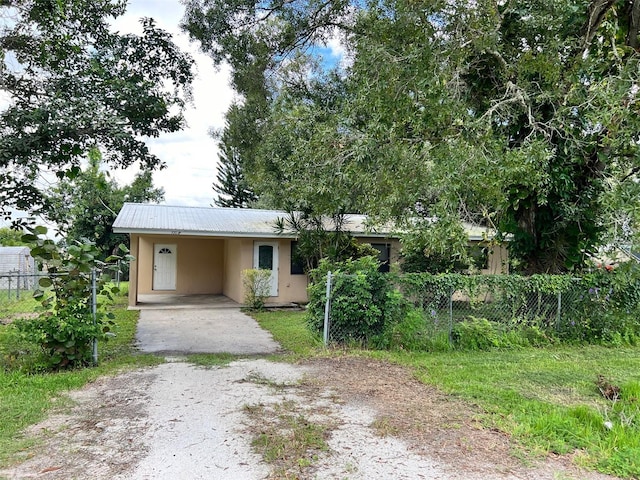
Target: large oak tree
<point>520,115</point>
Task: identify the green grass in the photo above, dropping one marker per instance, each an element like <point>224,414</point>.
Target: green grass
<point>289,329</point>
<point>208,360</point>
<point>547,399</point>
<point>27,396</point>
<point>9,307</point>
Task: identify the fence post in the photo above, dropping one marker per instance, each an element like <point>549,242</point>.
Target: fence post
<point>18,287</point>
<point>327,307</point>
<point>558,315</point>
<point>451,316</point>
<point>9,286</point>
<point>94,310</point>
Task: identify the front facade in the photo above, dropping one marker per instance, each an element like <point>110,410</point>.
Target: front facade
<point>193,250</point>
<point>202,250</point>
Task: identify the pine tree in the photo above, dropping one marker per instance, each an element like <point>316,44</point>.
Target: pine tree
<point>231,186</point>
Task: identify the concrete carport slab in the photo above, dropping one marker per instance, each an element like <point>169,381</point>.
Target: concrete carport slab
<point>202,330</point>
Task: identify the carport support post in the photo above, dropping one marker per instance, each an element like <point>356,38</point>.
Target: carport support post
<point>327,307</point>
<point>94,310</point>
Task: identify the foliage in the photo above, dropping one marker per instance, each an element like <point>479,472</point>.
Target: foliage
<point>600,307</point>
<point>85,207</point>
<point>232,186</point>
<point>322,237</point>
<point>363,300</point>
<point>74,84</point>
<point>257,287</point>
<point>413,333</point>
<point>10,237</point>
<point>68,327</point>
<point>518,116</point>
<point>476,334</point>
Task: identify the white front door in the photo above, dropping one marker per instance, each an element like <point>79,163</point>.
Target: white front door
<point>164,266</point>
<point>265,257</point>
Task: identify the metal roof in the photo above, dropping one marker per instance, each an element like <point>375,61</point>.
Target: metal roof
<point>212,221</point>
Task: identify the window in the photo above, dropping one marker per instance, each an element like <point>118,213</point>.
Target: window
<point>297,267</point>
<point>480,256</point>
<point>384,255</point>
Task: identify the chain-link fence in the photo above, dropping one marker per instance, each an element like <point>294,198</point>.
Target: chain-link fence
<point>15,286</point>
<point>573,308</point>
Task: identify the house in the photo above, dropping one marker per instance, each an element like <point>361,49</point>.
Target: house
<point>203,250</point>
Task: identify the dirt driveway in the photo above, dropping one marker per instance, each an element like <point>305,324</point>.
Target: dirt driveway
<point>179,421</point>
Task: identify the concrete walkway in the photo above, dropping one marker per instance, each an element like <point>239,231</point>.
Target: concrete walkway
<point>202,330</point>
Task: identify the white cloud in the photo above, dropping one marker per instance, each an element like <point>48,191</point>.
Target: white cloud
<point>191,155</point>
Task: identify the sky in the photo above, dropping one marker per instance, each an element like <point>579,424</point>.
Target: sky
<point>191,154</point>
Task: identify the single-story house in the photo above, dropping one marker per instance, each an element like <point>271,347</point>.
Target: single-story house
<point>203,250</point>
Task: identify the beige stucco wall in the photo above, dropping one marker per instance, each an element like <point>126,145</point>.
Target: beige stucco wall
<point>498,260</point>
<point>214,266</point>
<point>199,264</point>
<point>239,256</point>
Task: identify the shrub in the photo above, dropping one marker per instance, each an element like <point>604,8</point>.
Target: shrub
<point>476,334</point>
<point>66,336</point>
<point>363,300</point>
<point>413,333</point>
<point>257,287</point>
<point>67,328</point>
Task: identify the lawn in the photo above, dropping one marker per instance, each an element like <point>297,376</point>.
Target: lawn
<point>27,396</point>
<point>547,399</point>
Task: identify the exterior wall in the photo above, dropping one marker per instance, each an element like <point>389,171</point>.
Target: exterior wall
<point>498,261</point>
<point>239,256</point>
<point>199,264</point>
<point>214,266</point>
<point>133,269</point>
<point>292,288</point>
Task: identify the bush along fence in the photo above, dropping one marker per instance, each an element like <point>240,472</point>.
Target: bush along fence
<point>435,312</point>
<point>69,321</point>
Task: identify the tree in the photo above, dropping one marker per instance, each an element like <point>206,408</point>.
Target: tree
<point>519,115</point>
<point>73,85</point>
<point>258,40</point>
<point>232,185</point>
<point>85,207</point>
<point>10,237</point>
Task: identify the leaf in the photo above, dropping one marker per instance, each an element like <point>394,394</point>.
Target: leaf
<point>45,282</point>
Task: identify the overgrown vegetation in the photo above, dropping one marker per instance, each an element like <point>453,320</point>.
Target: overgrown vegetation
<point>427,312</point>
<point>70,320</point>
<point>363,300</point>
<point>257,287</point>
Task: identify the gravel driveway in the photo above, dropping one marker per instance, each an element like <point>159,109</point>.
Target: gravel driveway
<point>179,421</point>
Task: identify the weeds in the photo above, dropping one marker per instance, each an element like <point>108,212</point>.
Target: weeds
<point>286,439</point>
